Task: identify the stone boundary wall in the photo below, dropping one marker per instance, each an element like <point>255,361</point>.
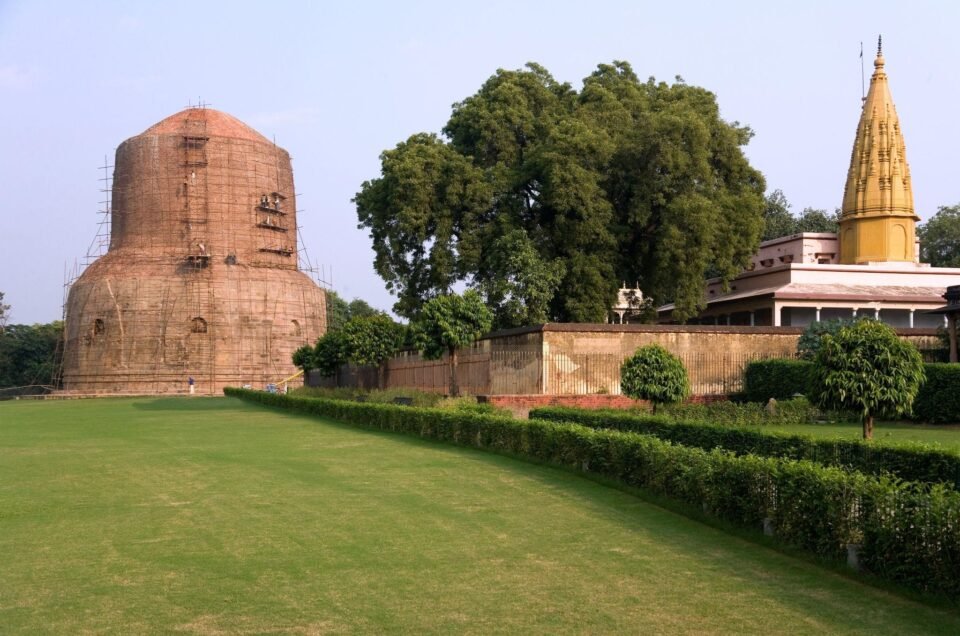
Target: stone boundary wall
<point>574,359</point>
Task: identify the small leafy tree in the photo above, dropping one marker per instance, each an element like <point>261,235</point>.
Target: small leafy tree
<point>812,336</point>
<point>448,322</point>
<point>371,341</point>
<point>330,353</point>
<point>303,357</point>
<point>866,369</point>
<point>655,374</point>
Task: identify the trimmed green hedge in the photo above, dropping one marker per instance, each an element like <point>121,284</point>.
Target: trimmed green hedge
<point>914,462</point>
<point>907,534</point>
<point>778,379</point>
<point>938,401</point>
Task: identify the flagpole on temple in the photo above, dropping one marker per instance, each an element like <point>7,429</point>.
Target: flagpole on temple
<point>863,90</point>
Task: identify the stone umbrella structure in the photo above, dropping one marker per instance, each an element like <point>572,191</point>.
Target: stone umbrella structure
<point>201,279</point>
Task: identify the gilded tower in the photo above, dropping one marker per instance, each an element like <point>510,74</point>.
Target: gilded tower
<point>878,223</point>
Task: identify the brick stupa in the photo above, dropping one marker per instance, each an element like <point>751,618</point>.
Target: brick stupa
<point>201,279</point>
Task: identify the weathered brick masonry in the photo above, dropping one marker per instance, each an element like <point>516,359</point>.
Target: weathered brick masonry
<point>201,278</point>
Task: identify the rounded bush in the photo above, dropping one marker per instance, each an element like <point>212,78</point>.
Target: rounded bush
<point>655,374</point>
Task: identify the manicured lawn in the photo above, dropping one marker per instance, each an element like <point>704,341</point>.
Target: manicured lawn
<point>887,432</point>
<point>213,516</point>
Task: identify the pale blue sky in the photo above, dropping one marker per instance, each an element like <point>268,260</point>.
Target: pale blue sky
<point>338,84</point>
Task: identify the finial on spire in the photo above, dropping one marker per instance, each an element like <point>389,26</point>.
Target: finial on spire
<point>878,63</point>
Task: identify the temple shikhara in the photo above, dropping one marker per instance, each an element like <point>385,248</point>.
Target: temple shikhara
<point>871,267</point>
<point>201,285</point>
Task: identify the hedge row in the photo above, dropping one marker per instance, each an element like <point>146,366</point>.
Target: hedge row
<point>938,400</point>
<point>915,462</point>
<point>907,534</point>
<point>778,379</point>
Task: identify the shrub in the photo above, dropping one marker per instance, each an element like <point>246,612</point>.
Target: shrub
<point>654,374</point>
<point>915,462</point>
<point>469,404</point>
<point>729,413</point>
<point>866,369</point>
<point>386,396</point>
<point>779,379</point>
<point>909,535</point>
<point>938,401</point>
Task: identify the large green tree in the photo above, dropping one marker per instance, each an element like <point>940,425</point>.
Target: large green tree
<point>779,221</point>
<point>817,220</point>
<point>621,180</point>
<point>940,237</point>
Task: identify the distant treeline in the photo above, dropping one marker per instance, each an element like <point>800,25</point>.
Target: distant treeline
<point>28,357</point>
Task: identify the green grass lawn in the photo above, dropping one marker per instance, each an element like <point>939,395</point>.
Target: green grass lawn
<point>212,516</point>
<point>886,432</point>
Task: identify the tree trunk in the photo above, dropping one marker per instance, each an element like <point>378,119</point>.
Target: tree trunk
<point>653,407</point>
<point>952,331</point>
<point>381,373</point>
<point>868,427</point>
<point>454,386</point>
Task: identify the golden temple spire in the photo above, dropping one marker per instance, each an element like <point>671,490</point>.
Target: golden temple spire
<point>878,220</point>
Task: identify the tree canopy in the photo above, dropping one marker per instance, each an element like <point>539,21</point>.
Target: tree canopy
<point>621,180</point>
<point>330,353</point>
<point>940,237</point>
<point>371,341</point>
<point>812,337</point>
<point>303,358</point>
<point>339,311</point>
<point>779,221</point>
<point>28,354</point>
<point>866,369</point>
<point>448,322</point>
<point>655,374</point>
